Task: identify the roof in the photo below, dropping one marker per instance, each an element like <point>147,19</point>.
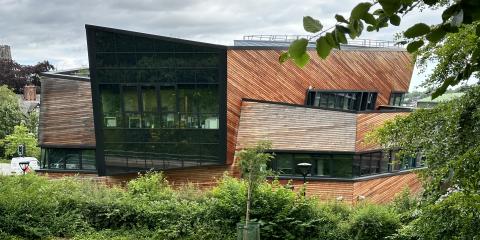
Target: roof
<point>443,98</point>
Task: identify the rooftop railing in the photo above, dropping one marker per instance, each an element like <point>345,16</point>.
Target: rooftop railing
<point>290,38</point>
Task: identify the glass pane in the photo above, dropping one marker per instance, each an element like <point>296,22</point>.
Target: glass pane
<point>186,98</point>
<point>323,164</point>
<point>88,159</point>
<point>188,120</point>
<point>331,100</point>
<point>323,100</point>
<point>168,120</point>
<point>304,158</point>
<point>130,99</point>
<point>133,120</point>
<point>209,121</point>
<point>207,96</point>
<point>149,98</point>
<point>111,105</point>
<point>150,120</point>
<point>375,162</point>
<point>168,98</point>
<point>365,166</point>
<point>342,165</point>
<point>284,163</point>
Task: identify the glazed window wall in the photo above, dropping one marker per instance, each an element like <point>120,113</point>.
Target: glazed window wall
<point>356,101</point>
<point>341,165</point>
<point>68,159</point>
<point>160,103</point>
<point>396,99</point>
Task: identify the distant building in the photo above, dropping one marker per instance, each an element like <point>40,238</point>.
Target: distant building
<point>429,103</point>
<point>5,52</point>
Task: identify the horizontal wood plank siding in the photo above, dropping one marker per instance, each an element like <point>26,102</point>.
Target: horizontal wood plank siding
<point>296,128</point>
<point>66,115</point>
<point>383,190</point>
<point>257,74</point>
<point>366,122</point>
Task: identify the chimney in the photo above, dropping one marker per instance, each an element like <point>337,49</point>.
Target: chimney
<point>30,93</point>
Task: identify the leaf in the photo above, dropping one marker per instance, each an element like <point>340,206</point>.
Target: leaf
<point>370,28</point>
<point>414,46</point>
<point>448,13</point>
<point>395,20</point>
<point>417,30</point>
<point>311,25</point>
<point>477,30</point>
<point>340,37</point>
<point>331,40</point>
<point>436,34</point>
<point>298,48</point>
<point>323,48</point>
<point>442,89</point>
<point>283,57</point>
<point>302,60</point>
<point>360,10</point>
<point>369,18</point>
<point>457,19</point>
<point>340,18</point>
<point>390,6</point>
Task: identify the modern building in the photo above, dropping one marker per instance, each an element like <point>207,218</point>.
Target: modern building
<point>185,107</point>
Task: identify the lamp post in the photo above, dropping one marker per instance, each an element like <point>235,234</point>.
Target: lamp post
<point>24,166</point>
<point>304,169</point>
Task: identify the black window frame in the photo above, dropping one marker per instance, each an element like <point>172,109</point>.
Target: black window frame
<point>353,100</point>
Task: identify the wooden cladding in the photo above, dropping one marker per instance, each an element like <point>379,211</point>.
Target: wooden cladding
<point>296,128</point>
<point>257,74</point>
<point>366,122</point>
<point>66,115</point>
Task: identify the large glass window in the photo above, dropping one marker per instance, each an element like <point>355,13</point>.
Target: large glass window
<point>357,101</point>
<point>68,159</point>
<point>396,99</point>
<point>160,102</point>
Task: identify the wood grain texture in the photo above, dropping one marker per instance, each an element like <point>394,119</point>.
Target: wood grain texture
<point>257,74</point>
<point>366,122</point>
<point>296,128</point>
<point>66,115</point>
<point>383,190</point>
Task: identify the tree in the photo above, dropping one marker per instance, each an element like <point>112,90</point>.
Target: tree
<point>253,164</point>
<point>448,137</point>
<point>10,113</point>
<point>16,76</point>
<point>459,17</point>
<point>21,135</point>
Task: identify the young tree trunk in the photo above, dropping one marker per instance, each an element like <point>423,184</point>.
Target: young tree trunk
<point>247,214</point>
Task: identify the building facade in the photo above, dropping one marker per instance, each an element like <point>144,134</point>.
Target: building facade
<point>184,107</point>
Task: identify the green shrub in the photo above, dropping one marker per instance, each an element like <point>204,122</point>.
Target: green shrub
<point>370,222</point>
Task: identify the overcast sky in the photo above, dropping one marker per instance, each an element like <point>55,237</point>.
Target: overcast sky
<point>54,30</point>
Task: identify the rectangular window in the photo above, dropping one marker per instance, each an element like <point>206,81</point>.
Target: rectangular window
<point>357,101</point>
<point>130,99</point>
<point>149,98</point>
<point>396,99</point>
<point>284,163</point>
<point>68,159</point>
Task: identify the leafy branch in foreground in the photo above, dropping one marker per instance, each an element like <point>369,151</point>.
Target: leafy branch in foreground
<point>379,14</point>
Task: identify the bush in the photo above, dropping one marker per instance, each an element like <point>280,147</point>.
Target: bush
<point>372,222</point>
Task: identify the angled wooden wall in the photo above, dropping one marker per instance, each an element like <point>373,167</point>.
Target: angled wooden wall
<point>296,127</point>
<point>66,115</point>
<point>366,122</point>
<point>257,74</point>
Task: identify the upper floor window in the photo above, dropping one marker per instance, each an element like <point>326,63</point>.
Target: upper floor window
<point>357,101</point>
<point>396,98</point>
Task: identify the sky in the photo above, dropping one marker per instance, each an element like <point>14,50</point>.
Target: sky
<point>54,30</point>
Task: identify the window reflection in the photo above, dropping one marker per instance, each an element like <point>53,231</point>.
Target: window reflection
<point>358,101</point>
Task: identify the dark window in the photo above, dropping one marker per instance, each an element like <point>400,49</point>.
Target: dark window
<point>357,101</point>
<point>396,99</point>
<point>68,159</point>
<point>160,102</point>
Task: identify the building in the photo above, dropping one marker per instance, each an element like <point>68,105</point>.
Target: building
<point>428,102</point>
<point>185,107</point>
<point>5,52</point>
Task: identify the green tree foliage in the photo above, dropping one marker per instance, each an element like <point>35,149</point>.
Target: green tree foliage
<point>253,164</point>
<point>21,135</point>
<point>10,113</point>
<point>448,136</point>
<point>16,76</point>
<point>459,25</point>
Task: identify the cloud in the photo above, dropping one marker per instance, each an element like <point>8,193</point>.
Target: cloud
<point>54,29</point>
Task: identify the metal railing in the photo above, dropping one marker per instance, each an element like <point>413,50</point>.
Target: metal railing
<point>290,38</point>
